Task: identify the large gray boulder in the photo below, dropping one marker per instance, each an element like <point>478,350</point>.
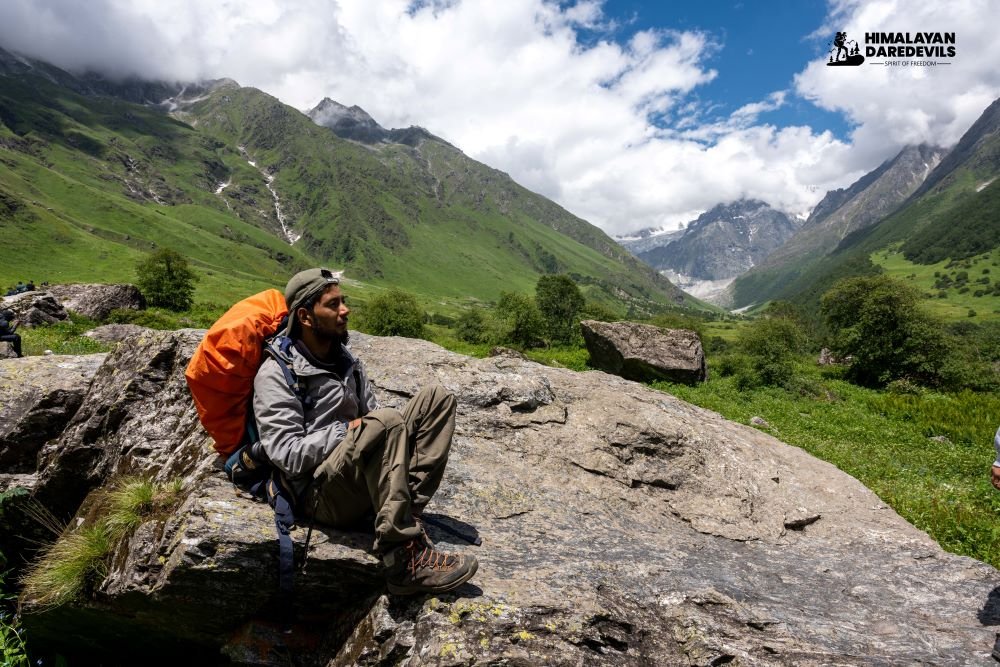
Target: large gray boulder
<point>96,301</point>
<point>619,525</point>
<point>642,352</point>
<point>35,309</point>
<point>38,396</point>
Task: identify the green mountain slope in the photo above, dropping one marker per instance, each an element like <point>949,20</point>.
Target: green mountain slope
<point>89,185</point>
<point>419,214</point>
<point>953,215</point>
<point>841,212</point>
<point>89,182</point>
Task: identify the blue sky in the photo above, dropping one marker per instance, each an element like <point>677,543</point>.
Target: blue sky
<point>761,47</point>
<point>629,114</point>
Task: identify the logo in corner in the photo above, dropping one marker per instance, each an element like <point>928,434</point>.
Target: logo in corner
<point>844,52</point>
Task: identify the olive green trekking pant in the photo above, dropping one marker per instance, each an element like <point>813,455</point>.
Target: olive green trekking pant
<point>390,465</point>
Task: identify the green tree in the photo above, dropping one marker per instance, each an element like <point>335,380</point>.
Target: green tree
<point>877,320</point>
<point>470,326</point>
<point>771,345</point>
<point>515,321</point>
<point>394,313</point>
<point>166,280</point>
<point>559,301</point>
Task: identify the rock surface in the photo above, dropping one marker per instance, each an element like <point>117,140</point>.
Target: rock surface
<point>619,526</point>
<point>642,352</point>
<point>35,308</point>
<point>115,333</point>
<point>96,301</point>
<point>38,396</point>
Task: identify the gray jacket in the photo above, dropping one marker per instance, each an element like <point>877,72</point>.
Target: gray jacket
<point>297,438</point>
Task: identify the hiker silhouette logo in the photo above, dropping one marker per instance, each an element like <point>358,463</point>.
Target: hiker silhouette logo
<point>844,51</point>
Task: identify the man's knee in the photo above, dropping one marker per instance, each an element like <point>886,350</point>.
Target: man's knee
<point>389,418</point>
<point>438,395</point>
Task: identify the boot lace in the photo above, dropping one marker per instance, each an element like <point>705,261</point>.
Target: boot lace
<point>428,557</point>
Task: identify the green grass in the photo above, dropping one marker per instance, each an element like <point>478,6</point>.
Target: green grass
<point>13,652</point>
<point>956,304</point>
<point>68,567</point>
<point>61,338</point>
<point>884,441</point>
<point>78,176</point>
<point>75,562</point>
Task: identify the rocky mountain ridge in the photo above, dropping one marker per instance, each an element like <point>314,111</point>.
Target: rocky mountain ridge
<point>619,526</point>
<point>839,214</point>
<point>720,245</point>
<point>356,124</point>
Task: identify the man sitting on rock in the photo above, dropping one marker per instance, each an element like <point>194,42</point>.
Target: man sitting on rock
<point>345,458</point>
<point>8,325</point>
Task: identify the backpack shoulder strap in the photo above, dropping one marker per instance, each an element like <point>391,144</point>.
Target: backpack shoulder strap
<point>279,349</point>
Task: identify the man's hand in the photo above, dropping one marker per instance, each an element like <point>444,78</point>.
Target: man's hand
<point>354,423</point>
<point>995,477</point>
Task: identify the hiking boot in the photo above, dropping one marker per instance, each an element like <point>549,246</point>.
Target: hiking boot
<point>418,518</point>
<point>416,567</point>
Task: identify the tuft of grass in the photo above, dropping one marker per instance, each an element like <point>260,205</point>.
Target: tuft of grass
<point>69,566</point>
<point>130,502</point>
<point>78,560</point>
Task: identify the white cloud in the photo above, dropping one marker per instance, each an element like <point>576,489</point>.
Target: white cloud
<point>894,106</point>
<point>512,84</point>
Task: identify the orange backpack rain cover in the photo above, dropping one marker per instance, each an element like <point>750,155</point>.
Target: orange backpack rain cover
<point>221,372</point>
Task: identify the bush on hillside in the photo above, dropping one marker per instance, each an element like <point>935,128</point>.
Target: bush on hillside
<point>771,345</point>
<point>516,320</point>
<point>470,326</point>
<point>394,313</point>
<point>595,310</point>
<point>559,301</point>
<point>166,280</point>
<point>878,321</point>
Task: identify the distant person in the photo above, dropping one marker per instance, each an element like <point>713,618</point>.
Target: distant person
<point>30,287</point>
<point>8,325</point>
<point>20,287</point>
<point>995,472</point>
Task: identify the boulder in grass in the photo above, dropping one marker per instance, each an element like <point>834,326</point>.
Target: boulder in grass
<point>96,301</point>
<point>643,353</point>
<point>35,309</point>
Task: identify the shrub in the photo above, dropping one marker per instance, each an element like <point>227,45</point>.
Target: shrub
<point>515,321</point>
<point>877,320</point>
<point>394,313</point>
<point>595,310</point>
<point>732,364</point>
<point>166,280</point>
<point>904,386</point>
<point>559,301</point>
<point>771,346</point>
<point>470,326</point>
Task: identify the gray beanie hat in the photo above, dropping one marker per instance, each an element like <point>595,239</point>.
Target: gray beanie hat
<point>303,286</point>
